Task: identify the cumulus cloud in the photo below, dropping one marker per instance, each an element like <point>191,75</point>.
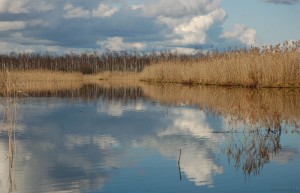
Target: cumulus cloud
<point>12,25</point>
<point>24,6</point>
<point>118,25</point>
<point>117,44</point>
<point>101,11</point>
<point>244,34</point>
<point>194,31</point>
<point>288,2</point>
<point>17,6</point>
<point>75,12</point>
<point>104,11</point>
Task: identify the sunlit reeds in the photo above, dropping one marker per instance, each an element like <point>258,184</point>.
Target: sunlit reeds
<point>270,66</point>
<point>38,80</point>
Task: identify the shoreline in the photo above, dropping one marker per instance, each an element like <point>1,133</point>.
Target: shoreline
<point>23,80</point>
<point>267,67</point>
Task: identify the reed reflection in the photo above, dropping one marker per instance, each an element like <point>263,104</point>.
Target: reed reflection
<point>8,126</point>
<point>81,146</point>
<point>267,108</point>
<point>251,150</point>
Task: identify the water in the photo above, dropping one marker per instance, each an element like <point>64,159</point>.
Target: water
<point>106,139</point>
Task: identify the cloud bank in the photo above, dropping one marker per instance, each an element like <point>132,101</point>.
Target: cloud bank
<point>288,2</point>
<point>64,26</point>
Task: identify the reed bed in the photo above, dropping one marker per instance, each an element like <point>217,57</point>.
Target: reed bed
<point>277,66</point>
<point>269,66</point>
<point>38,80</point>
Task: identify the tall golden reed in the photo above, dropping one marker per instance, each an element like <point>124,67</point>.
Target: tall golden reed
<point>23,82</point>
<point>277,66</point>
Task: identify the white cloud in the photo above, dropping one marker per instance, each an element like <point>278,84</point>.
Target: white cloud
<point>181,50</point>
<point>18,37</point>
<point>101,11</point>
<point>42,6</point>
<point>194,32</point>
<point>12,25</point>
<point>104,11</point>
<point>75,12</point>
<point>117,44</point>
<point>122,25</point>
<point>24,6</point>
<point>138,7</point>
<point>242,33</point>
<point>282,1</point>
<point>39,46</point>
<point>16,6</point>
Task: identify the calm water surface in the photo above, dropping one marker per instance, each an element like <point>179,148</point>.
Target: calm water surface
<point>127,140</point>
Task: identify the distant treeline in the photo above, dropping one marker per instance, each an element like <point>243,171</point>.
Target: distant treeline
<point>87,63</point>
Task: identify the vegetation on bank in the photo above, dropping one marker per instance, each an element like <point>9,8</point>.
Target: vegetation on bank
<point>277,66</point>
<point>269,66</point>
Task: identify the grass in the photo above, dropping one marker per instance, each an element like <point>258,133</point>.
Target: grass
<point>268,67</point>
<point>38,80</point>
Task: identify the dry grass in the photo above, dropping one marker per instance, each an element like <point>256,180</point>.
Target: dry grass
<point>23,82</point>
<point>271,67</point>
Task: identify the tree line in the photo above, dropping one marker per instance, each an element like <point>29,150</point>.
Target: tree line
<point>86,63</point>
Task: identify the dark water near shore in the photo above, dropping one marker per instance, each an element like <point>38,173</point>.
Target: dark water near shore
<point>107,139</point>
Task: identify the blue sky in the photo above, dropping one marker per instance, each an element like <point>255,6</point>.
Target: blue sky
<point>97,25</point>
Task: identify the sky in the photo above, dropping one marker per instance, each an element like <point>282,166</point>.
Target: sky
<point>63,26</point>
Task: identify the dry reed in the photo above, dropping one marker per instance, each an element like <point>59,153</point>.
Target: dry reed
<point>277,66</point>
<point>39,80</point>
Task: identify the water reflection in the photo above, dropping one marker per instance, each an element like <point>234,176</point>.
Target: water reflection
<point>105,137</point>
<point>251,150</point>
<point>8,125</point>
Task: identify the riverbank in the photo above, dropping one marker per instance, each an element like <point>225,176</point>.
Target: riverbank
<point>269,66</point>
